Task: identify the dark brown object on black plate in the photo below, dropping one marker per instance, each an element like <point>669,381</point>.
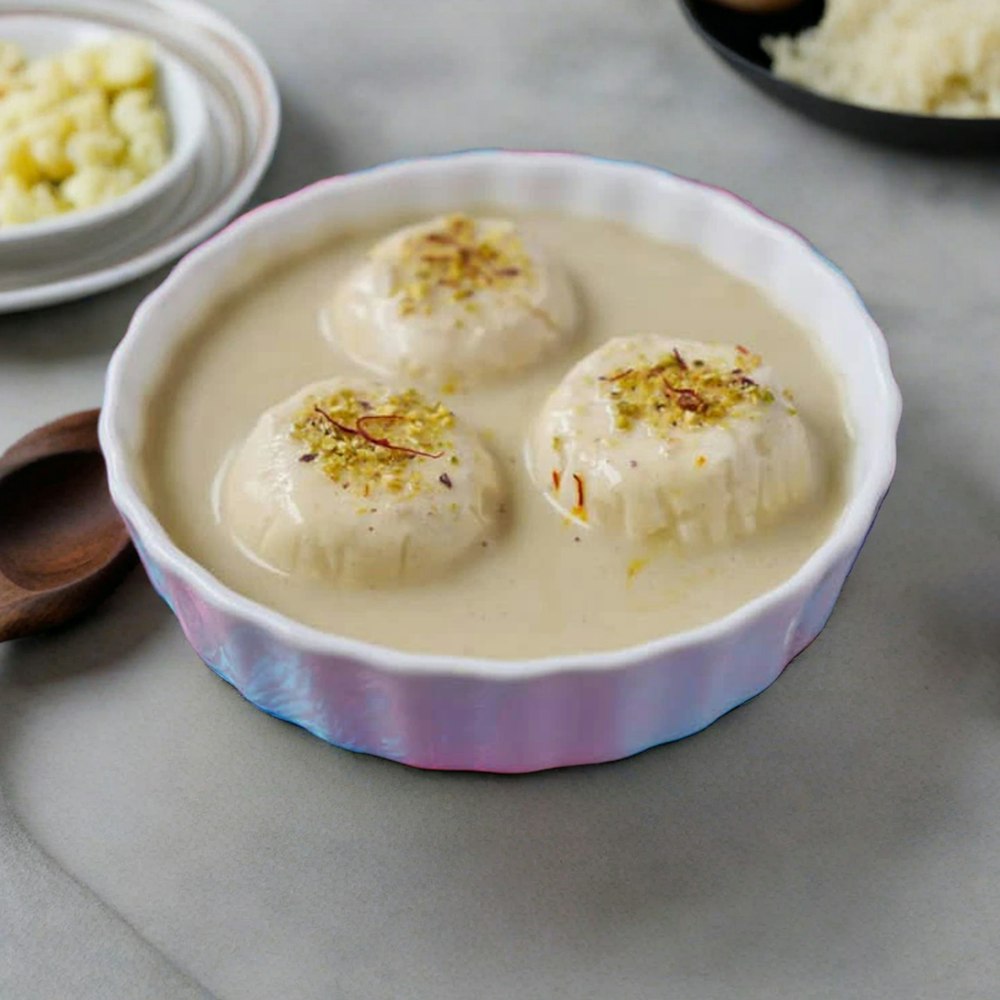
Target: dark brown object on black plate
<point>63,546</point>
<point>758,6</point>
<point>735,38</point>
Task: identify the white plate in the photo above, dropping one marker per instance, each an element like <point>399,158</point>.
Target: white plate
<point>243,111</point>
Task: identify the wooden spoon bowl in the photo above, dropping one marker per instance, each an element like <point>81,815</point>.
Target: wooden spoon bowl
<point>63,546</point>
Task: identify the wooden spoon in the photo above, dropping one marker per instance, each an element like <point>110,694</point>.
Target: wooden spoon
<point>63,546</point>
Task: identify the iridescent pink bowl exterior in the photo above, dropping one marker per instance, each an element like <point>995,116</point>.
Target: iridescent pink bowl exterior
<point>491,715</point>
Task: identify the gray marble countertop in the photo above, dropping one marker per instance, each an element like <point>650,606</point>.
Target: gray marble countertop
<point>838,837</point>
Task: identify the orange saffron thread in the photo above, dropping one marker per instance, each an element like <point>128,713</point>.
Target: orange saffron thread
<point>616,377</point>
<point>580,510</point>
<point>385,442</point>
<point>343,428</point>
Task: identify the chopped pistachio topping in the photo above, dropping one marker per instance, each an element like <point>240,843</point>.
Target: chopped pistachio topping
<point>683,392</point>
<point>635,567</point>
<point>363,444</point>
<point>456,261</point>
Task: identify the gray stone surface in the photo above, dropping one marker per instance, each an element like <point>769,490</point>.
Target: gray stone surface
<point>838,837</point>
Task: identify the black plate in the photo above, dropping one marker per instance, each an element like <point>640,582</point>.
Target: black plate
<point>735,38</point>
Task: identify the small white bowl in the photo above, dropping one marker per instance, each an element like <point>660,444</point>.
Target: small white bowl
<point>455,712</point>
<point>59,236</point>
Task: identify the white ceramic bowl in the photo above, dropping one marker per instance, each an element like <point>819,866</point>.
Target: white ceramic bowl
<point>464,713</point>
<point>59,237</point>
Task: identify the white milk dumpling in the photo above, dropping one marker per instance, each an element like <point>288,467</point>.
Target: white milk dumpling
<point>357,484</point>
<point>455,299</point>
<point>691,441</point>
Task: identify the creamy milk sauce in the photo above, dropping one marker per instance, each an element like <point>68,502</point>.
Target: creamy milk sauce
<point>544,586</point>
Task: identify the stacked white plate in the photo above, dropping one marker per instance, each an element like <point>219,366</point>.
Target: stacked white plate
<point>224,115</point>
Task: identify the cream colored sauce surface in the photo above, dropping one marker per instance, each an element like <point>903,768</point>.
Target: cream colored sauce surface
<point>544,586</point>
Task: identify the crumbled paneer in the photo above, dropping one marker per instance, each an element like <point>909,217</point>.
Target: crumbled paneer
<point>77,129</point>
<point>925,57</point>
